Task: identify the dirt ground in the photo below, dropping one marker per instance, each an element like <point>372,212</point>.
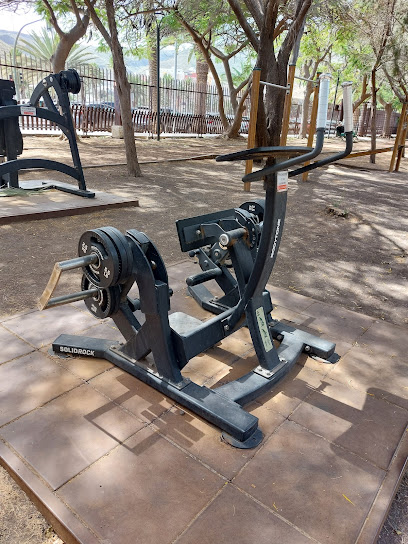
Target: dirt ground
<point>357,260</point>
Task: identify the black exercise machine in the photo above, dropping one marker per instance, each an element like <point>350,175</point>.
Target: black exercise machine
<point>245,240</point>
<point>11,142</point>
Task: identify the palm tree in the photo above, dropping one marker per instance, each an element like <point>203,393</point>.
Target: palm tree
<point>43,46</point>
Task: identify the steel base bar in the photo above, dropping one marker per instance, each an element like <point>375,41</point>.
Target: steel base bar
<point>226,414</point>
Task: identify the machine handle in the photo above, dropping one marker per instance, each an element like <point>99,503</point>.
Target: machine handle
<point>203,276</point>
<point>323,101</point>
<point>348,106</point>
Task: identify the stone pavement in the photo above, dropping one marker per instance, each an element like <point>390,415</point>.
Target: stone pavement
<point>107,459</point>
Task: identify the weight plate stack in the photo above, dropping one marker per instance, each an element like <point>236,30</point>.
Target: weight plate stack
<point>124,251</point>
<point>105,303</point>
<point>107,270</point>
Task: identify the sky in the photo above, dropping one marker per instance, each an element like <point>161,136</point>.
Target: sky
<point>14,21</point>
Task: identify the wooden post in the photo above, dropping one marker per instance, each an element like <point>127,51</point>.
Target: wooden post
<point>256,78</point>
<point>288,104</point>
<point>398,138</point>
<point>401,147</point>
<point>312,126</point>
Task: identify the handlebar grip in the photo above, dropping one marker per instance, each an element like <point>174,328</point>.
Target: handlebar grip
<point>323,101</point>
<point>203,276</point>
<point>348,106</point>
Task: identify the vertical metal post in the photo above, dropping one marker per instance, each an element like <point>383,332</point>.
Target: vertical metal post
<point>256,78</point>
<point>158,77</point>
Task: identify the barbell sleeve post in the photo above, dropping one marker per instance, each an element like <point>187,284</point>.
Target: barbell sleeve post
<point>60,267</point>
<point>66,299</point>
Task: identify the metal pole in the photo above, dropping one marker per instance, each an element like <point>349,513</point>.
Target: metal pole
<point>14,57</point>
<point>158,77</point>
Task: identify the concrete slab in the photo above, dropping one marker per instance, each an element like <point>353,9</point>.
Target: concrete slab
<point>43,204</point>
<point>108,459</point>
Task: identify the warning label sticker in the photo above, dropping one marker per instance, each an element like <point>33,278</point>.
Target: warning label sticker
<point>28,110</point>
<point>282,181</point>
<point>263,329</point>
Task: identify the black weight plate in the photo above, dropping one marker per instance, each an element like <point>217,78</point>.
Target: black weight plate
<point>124,251</point>
<point>256,207</point>
<point>107,270</point>
<point>105,303</point>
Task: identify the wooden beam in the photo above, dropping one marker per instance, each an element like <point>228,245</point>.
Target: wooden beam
<point>288,104</point>
<point>313,117</point>
<point>256,78</point>
<point>398,136</point>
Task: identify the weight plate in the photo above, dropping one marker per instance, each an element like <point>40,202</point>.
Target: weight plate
<point>256,207</point>
<point>123,250</point>
<point>105,303</point>
<point>107,270</point>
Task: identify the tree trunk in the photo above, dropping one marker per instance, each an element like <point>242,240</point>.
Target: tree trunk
<point>305,109</point>
<point>361,120</point>
<point>373,116</point>
<point>67,41</point>
<point>386,132</point>
<point>123,87</point>
<point>201,84</point>
<point>152,58</point>
<point>234,129</point>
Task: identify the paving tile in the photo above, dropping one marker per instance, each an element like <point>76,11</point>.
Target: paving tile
<point>373,372</point>
<point>182,302</point>
<point>235,517</point>
<point>291,390</point>
<point>379,511</point>
<point>281,313</point>
<point>319,487</point>
<point>29,382</point>
<point>289,299</point>
<point>12,346</point>
<point>181,270</point>
<point>204,440</point>
<point>145,491</point>
<point>337,322</point>
<point>68,527</point>
<point>370,427</point>
<point>41,328</point>
<point>388,339</point>
<point>124,389</point>
<point>70,433</point>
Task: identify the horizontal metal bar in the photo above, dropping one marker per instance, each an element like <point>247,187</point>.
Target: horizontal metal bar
<point>305,79</point>
<point>78,262</point>
<point>66,299</point>
<point>274,85</point>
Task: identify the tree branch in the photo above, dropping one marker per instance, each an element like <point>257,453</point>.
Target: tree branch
<point>54,21</point>
<point>249,31</point>
<point>97,22</point>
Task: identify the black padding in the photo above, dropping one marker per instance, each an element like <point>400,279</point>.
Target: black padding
<point>264,152</point>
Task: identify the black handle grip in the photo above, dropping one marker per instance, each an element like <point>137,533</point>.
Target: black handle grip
<point>203,276</point>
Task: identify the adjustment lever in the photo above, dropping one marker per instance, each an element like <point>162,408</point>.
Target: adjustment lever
<point>203,276</point>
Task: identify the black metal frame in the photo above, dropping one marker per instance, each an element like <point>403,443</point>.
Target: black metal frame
<point>248,238</point>
<point>64,82</point>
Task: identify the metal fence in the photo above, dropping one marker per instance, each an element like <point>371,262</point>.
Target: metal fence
<point>185,108</point>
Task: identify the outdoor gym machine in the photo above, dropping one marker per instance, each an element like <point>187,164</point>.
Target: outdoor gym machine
<point>11,143</point>
<point>246,239</point>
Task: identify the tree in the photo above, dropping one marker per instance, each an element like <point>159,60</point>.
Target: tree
<point>52,10</point>
<point>111,37</point>
<point>272,57</point>
<point>43,46</point>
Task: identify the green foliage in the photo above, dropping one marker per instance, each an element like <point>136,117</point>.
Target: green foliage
<point>43,46</point>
